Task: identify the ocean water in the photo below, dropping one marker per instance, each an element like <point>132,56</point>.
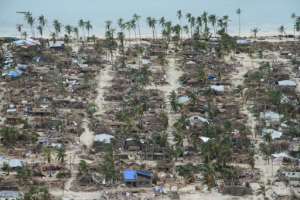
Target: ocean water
<point>267,15</point>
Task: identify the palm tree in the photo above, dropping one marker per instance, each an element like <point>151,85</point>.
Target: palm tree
<point>209,175</point>
<point>297,24</point>
<point>151,23</point>
<point>42,24</point>
<point>40,29</point>
<point>179,15</point>
<point>186,29</point>
<point>213,20</point>
<point>76,32</point>
<point>128,28</point>
<point>137,19</point>
<point>225,21</point>
<point>162,21</point>
<point>47,154</point>
<point>205,19</point>
<point>6,168</point>
<point>238,12</point>
<point>191,20</point>
<point>88,27</point>
<point>68,29</point>
<point>24,34</point>
<point>61,154</point>
<point>107,167</point>
<point>199,23</point>
<point>108,24</point>
<point>255,31</point>
<point>281,30</point>
<point>133,27</point>
<point>262,190</point>
<point>57,27</point>
<point>37,193</point>
<point>81,24</point>
<point>83,167</point>
<point>30,21</point>
<point>188,16</point>
<point>53,37</point>
<point>177,30</point>
<point>293,16</point>
<point>19,28</point>
<point>121,39</point>
<point>121,24</point>
<point>221,24</point>
<point>167,30</point>
<point>42,20</point>
<point>174,101</point>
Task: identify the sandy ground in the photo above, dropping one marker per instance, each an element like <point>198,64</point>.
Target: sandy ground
<point>173,74</point>
<point>104,81</point>
<point>268,170</point>
<point>87,137</point>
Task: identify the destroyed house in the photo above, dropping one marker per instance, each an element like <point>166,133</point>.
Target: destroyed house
<point>132,144</point>
<point>137,178</point>
<point>39,111</point>
<point>66,103</point>
<point>155,152</point>
<point>102,141</point>
<point>290,175</point>
<point>10,195</point>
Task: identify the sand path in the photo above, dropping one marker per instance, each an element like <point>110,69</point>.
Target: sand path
<point>173,74</point>
<point>103,79</point>
<point>268,170</point>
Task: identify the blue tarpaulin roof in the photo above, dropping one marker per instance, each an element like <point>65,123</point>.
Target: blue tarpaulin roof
<point>14,73</point>
<point>131,175</point>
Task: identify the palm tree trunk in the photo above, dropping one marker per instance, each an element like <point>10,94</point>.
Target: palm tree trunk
<point>139,30</point>
<point>239,25</point>
<point>135,34</point>
<point>153,34</point>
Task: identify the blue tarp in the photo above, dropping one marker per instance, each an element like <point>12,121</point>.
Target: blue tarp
<point>129,175</point>
<point>17,72</point>
<point>144,173</point>
<point>212,78</point>
<point>13,74</point>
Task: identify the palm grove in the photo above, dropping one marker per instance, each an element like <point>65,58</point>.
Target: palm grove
<point>188,26</point>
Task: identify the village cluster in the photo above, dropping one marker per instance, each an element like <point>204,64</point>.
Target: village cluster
<point>170,118</point>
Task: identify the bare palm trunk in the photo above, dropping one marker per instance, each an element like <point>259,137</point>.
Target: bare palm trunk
<point>153,34</point>
<point>239,25</point>
<point>139,29</point>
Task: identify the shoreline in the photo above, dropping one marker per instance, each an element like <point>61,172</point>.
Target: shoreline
<point>242,36</point>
